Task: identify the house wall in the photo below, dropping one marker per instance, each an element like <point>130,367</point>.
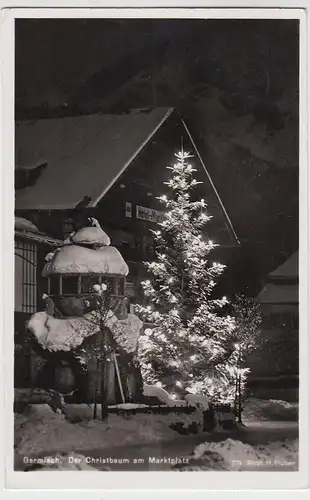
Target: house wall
<point>275,364</point>
<point>25,303</point>
<point>25,276</point>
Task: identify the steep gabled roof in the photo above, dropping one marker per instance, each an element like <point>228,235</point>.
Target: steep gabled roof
<point>85,155</point>
<point>287,270</point>
<point>282,287</point>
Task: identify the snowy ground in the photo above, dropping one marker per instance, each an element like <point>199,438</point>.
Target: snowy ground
<point>145,442</point>
<point>256,449</point>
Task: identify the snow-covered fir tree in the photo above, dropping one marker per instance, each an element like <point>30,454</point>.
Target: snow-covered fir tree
<point>248,324</point>
<point>247,336</point>
<point>191,345</point>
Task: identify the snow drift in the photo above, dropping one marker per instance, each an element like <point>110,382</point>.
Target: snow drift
<point>270,409</point>
<point>231,454</point>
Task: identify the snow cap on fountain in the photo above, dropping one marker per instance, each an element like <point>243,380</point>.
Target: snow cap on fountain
<point>91,236</point>
<point>87,251</point>
<point>74,259</point>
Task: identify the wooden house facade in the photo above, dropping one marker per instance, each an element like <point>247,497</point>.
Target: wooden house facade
<point>111,167</point>
<point>277,360</point>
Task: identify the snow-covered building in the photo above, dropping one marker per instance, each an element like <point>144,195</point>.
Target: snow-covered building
<point>279,297</point>
<point>111,167</point>
<point>278,355</point>
<point>30,243</point>
<point>30,246</point>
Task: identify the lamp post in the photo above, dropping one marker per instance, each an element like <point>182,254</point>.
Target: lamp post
<point>238,396</point>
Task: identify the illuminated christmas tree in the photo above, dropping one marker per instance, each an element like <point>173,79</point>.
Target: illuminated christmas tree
<point>191,346</point>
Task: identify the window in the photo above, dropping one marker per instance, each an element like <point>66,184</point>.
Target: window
<point>76,284</point>
<point>276,319</point>
<point>67,228</point>
<point>87,283</point>
<point>284,319</point>
<point>130,289</point>
<point>287,319</point>
<point>53,285</point>
<point>121,286</point>
<point>63,285</point>
<point>69,285</point>
<point>266,320</point>
<point>25,277</point>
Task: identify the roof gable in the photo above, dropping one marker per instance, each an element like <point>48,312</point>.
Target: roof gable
<point>282,286</point>
<point>83,157</point>
<point>77,151</point>
<point>289,269</point>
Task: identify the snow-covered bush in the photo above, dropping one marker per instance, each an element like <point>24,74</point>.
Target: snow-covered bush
<point>200,402</point>
<point>270,409</point>
<point>156,391</point>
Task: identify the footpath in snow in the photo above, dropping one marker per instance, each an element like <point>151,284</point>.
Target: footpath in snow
<point>145,442</point>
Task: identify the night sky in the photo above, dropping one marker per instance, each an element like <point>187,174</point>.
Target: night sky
<point>235,82</point>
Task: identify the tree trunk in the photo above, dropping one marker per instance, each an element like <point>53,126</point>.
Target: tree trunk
<point>96,389</point>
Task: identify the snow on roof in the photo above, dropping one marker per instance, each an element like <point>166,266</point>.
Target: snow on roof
<point>64,334</point>
<point>38,238</point>
<point>287,270</point>
<point>278,294</point>
<point>85,154</point>
<point>22,224</point>
<point>92,235</point>
<point>73,259</point>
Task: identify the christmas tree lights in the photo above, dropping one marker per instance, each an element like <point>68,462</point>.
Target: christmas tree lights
<point>191,345</point>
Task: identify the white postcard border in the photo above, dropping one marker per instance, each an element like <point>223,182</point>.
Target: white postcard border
<point>146,480</point>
